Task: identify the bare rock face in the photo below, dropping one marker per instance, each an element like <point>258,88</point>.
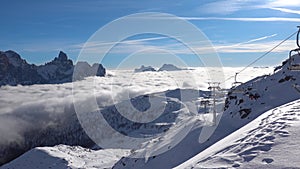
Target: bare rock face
<point>169,67</point>
<point>144,69</point>
<point>14,70</point>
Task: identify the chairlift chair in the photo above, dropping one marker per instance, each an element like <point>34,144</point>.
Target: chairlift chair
<point>293,66</point>
<point>205,103</point>
<point>235,84</point>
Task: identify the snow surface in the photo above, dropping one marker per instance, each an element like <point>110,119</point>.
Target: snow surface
<point>62,157</point>
<point>270,141</point>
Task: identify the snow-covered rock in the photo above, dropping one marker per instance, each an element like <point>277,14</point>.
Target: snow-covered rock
<point>15,70</point>
<point>270,141</point>
<point>168,67</point>
<point>60,70</point>
<point>144,69</point>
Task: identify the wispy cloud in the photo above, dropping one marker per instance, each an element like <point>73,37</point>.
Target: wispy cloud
<point>241,48</point>
<point>282,6</point>
<point>126,46</point>
<point>283,3</point>
<point>250,41</point>
<point>287,10</point>
<point>100,43</point>
<point>224,7</point>
<point>264,19</point>
<point>255,47</point>
<point>259,39</point>
<point>250,46</point>
<point>244,19</point>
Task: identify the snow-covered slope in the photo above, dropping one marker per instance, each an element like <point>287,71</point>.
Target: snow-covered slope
<point>62,157</point>
<point>270,141</point>
<point>243,104</point>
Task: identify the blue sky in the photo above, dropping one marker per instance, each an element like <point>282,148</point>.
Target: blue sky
<point>240,30</point>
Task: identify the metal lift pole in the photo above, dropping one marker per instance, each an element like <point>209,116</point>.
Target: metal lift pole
<point>298,36</point>
<point>214,109</point>
<point>214,86</point>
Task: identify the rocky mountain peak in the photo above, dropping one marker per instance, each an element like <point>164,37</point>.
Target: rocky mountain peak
<point>14,58</point>
<point>62,56</point>
<point>14,70</point>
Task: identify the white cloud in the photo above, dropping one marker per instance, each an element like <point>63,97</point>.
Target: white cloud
<point>287,10</point>
<point>256,47</point>
<point>283,3</point>
<point>126,46</point>
<point>26,109</point>
<point>264,19</point>
<point>251,46</point>
<point>222,7</point>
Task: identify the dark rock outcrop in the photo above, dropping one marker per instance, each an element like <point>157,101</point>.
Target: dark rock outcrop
<point>169,67</point>
<point>14,70</point>
<point>144,69</point>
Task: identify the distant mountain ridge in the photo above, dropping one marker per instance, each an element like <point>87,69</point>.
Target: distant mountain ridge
<point>164,67</point>
<point>144,69</point>
<point>169,67</point>
<point>14,70</point>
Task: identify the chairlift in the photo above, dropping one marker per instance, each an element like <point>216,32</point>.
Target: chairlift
<point>295,66</point>
<point>214,86</point>
<point>235,84</point>
<point>205,103</point>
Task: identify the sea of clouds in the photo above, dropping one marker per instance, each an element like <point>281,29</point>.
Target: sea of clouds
<point>30,108</point>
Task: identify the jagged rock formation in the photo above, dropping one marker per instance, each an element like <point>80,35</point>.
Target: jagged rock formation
<point>83,69</point>
<point>144,69</point>
<point>14,70</point>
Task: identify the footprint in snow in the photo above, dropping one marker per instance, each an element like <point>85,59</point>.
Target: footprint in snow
<point>267,160</point>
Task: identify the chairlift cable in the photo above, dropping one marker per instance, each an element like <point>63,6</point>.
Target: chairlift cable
<point>263,55</point>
